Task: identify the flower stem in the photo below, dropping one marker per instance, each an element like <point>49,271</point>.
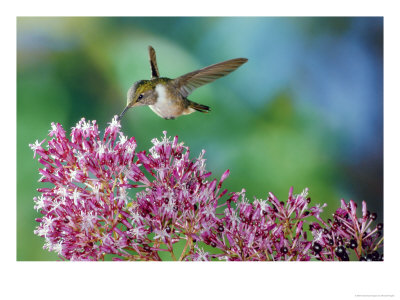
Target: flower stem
<point>188,242</point>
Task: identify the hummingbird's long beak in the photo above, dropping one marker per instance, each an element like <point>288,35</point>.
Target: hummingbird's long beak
<point>123,112</point>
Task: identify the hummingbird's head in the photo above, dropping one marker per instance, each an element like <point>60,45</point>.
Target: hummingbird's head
<point>140,93</point>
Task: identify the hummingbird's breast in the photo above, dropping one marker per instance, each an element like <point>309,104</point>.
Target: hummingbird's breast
<point>169,104</point>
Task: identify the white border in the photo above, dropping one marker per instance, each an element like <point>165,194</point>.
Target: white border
<point>192,280</point>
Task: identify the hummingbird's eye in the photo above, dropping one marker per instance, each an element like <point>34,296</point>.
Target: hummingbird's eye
<point>140,96</point>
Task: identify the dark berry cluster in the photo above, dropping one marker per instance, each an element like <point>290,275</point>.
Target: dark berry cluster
<point>347,234</point>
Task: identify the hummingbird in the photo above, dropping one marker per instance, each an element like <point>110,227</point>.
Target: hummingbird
<point>168,97</point>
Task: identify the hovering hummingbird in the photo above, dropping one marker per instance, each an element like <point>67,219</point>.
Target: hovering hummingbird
<point>168,97</point>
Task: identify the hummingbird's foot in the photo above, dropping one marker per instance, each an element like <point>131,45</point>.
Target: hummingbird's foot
<point>170,118</point>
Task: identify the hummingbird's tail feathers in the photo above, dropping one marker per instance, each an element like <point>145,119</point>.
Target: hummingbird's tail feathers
<point>191,81</point>
<point>199,107</point>
<point>153,63</point>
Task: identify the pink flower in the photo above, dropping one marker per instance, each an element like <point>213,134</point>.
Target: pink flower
<point>105,199</point>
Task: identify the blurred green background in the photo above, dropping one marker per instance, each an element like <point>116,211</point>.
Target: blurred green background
<point>305,111</point>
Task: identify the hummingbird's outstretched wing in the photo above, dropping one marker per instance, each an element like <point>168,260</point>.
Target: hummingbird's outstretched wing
<point>190,81</point>
<point>153,63</point>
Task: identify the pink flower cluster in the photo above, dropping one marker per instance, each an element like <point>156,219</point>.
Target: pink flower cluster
<point>102,198</point>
